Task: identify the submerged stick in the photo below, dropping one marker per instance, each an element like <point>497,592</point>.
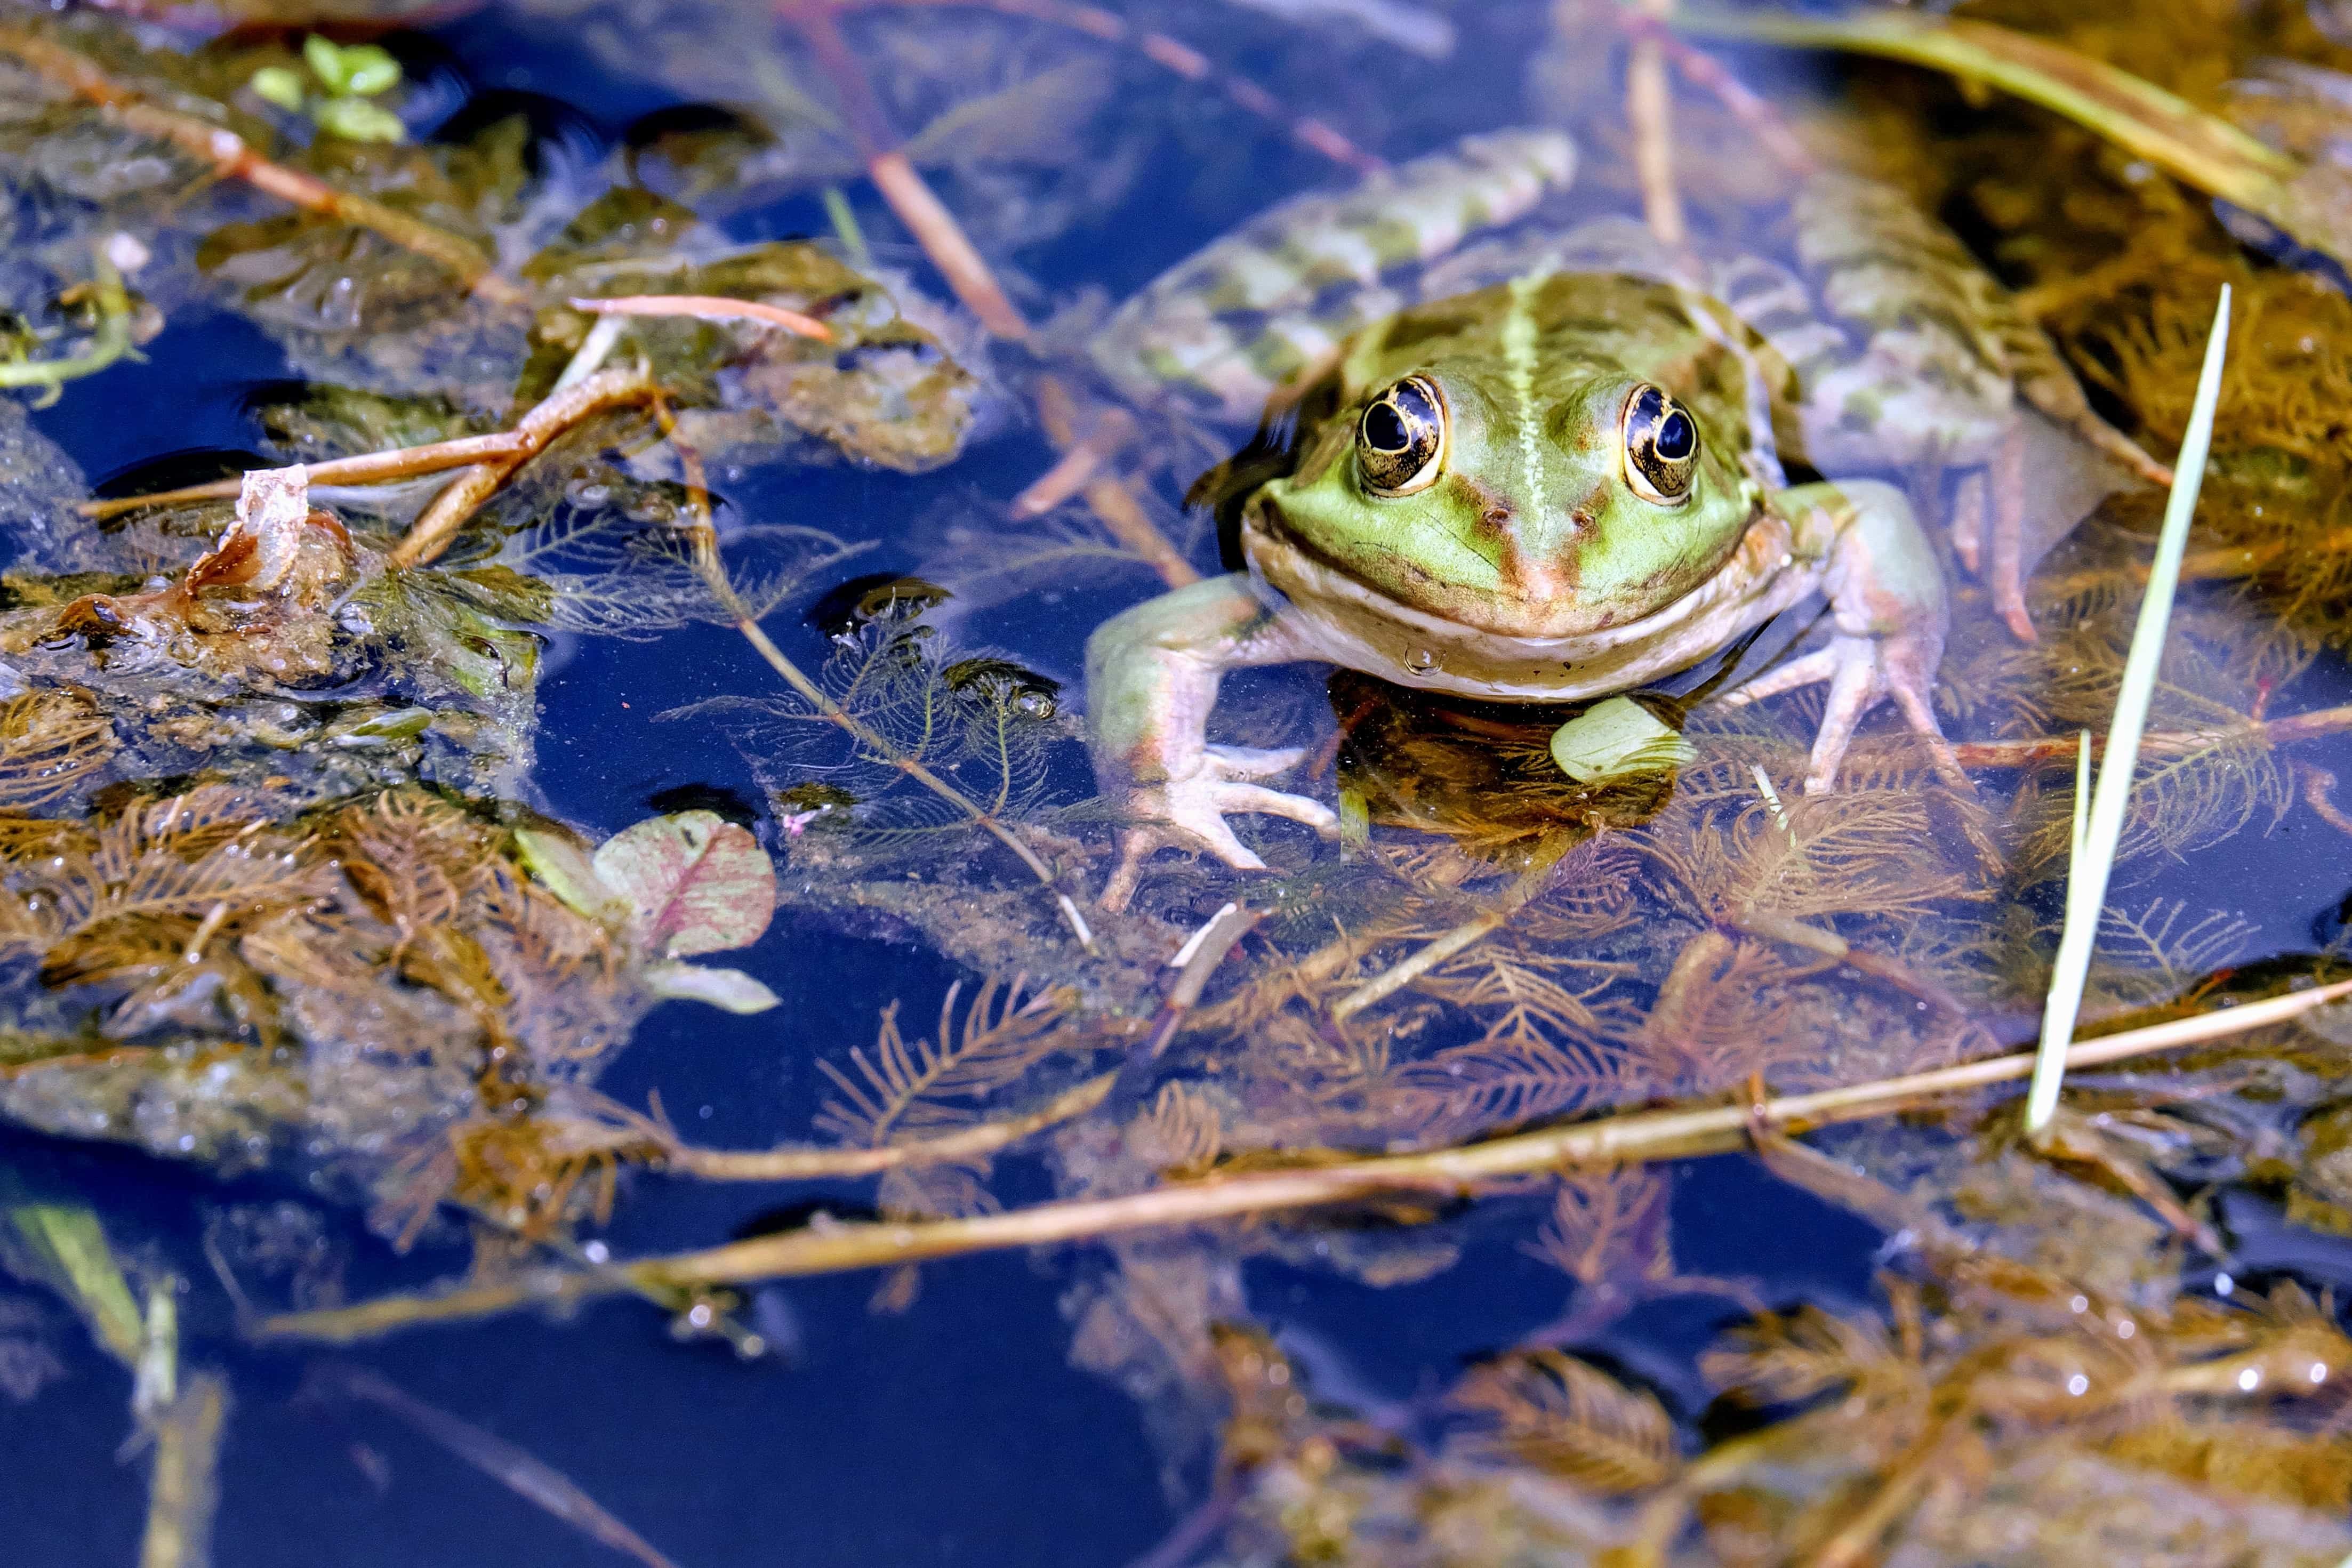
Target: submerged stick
<point>184,1488</point>
<point>1080,473</point>
<point>809,1164</point>
<point>516,1468</point>
<point>707,307</point>
<point>2098,836</point>
<point>1181,60</point>
<point>1649,109</point>
<point>894,175</point>
<point>712,570</point>
<point>1626,1139</point>
<point>232,157</point>
<point>1529,886</point>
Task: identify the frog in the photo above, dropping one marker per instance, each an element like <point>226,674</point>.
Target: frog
<point>1557,470</point>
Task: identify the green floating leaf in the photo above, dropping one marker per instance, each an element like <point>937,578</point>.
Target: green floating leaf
<point>384,728</point>
<point>278,85</point>
<point>698,883</point>
<point>369,70</point>
<point>326,61</point>
<point>357,120</point>
<point>1616,738</point>
<point>731,990</point>
<point>559,862</point>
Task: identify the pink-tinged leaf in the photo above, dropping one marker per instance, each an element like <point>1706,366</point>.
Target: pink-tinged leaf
<point>698,882</point>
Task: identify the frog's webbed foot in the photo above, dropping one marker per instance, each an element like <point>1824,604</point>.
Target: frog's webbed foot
<point>1888,616</point>
<point>1988,513</point>
<point>1189,813</point>
<point>1861,672</point>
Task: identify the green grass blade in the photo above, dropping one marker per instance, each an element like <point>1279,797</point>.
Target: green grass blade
<point>2086,883</point>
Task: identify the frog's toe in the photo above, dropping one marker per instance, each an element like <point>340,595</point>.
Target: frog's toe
<point>1191,815</point>
<point>1229,762</point>
<point>1277,803</point>
<point>1861,672</point>
<point>1790,677</point>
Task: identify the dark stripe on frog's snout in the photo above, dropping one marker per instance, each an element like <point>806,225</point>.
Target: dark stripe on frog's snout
<point>1533,564</point>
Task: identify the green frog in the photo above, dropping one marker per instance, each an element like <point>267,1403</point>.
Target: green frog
<point>1562,472</point>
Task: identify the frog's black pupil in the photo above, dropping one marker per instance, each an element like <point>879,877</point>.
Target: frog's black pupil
<point>1384,429</point>
<point>1675,436</point>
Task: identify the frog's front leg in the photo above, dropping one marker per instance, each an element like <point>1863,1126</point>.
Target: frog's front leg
<point>1151,678</point>
<point>1887,607</point>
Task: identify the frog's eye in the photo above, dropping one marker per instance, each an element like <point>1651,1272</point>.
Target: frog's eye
<point>1400,440</point>
<point>1661,446</point>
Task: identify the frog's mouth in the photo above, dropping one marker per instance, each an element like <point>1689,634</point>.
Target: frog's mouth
<point>1348,622</point>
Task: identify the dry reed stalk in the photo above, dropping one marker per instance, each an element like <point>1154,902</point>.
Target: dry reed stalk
<point>1631,1138</point>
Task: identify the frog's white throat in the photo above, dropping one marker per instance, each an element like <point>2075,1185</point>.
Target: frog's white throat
<point>1331,616</point>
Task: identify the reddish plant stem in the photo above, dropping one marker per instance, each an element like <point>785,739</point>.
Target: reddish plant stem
<point>915,202</point>
<point>1080,472</point>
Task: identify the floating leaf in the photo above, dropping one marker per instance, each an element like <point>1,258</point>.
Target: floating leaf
<point>698,883</point>
<point>278,85</point>
<point>558,861</point>
<point>731,990</point>
<point>1614,739</point>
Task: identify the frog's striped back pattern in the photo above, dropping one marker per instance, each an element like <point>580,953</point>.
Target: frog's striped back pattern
<point>1221,329</point>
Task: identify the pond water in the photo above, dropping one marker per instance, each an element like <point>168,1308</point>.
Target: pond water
<point>635,1016</point>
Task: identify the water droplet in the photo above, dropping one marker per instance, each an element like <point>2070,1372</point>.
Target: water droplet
<point>2078,1386</point>
<point>1422,660</point>
<point>2249,1380</point>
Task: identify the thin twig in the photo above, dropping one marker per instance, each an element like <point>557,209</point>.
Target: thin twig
<point>559,412</point>
<point>1649,109</point>
<point>183,1487</point>
<point>232,157</point>
<point>707,307</point>
<point>1631,1138</point>
<point>1705,73</point>
<point>918,207</point>
<point>2056,750</point>
<point>518,1470</point>
<point>712,570</point>
<point>1080,473</point>
<point>1524,892</point>
<point>367,468</point>
<point>809,1164</point>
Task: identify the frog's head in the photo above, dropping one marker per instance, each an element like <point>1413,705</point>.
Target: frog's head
<point>1534,500</point>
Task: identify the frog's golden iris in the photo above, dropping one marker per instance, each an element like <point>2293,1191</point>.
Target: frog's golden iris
<point>1661,446</point>
<point>1400,439</point>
